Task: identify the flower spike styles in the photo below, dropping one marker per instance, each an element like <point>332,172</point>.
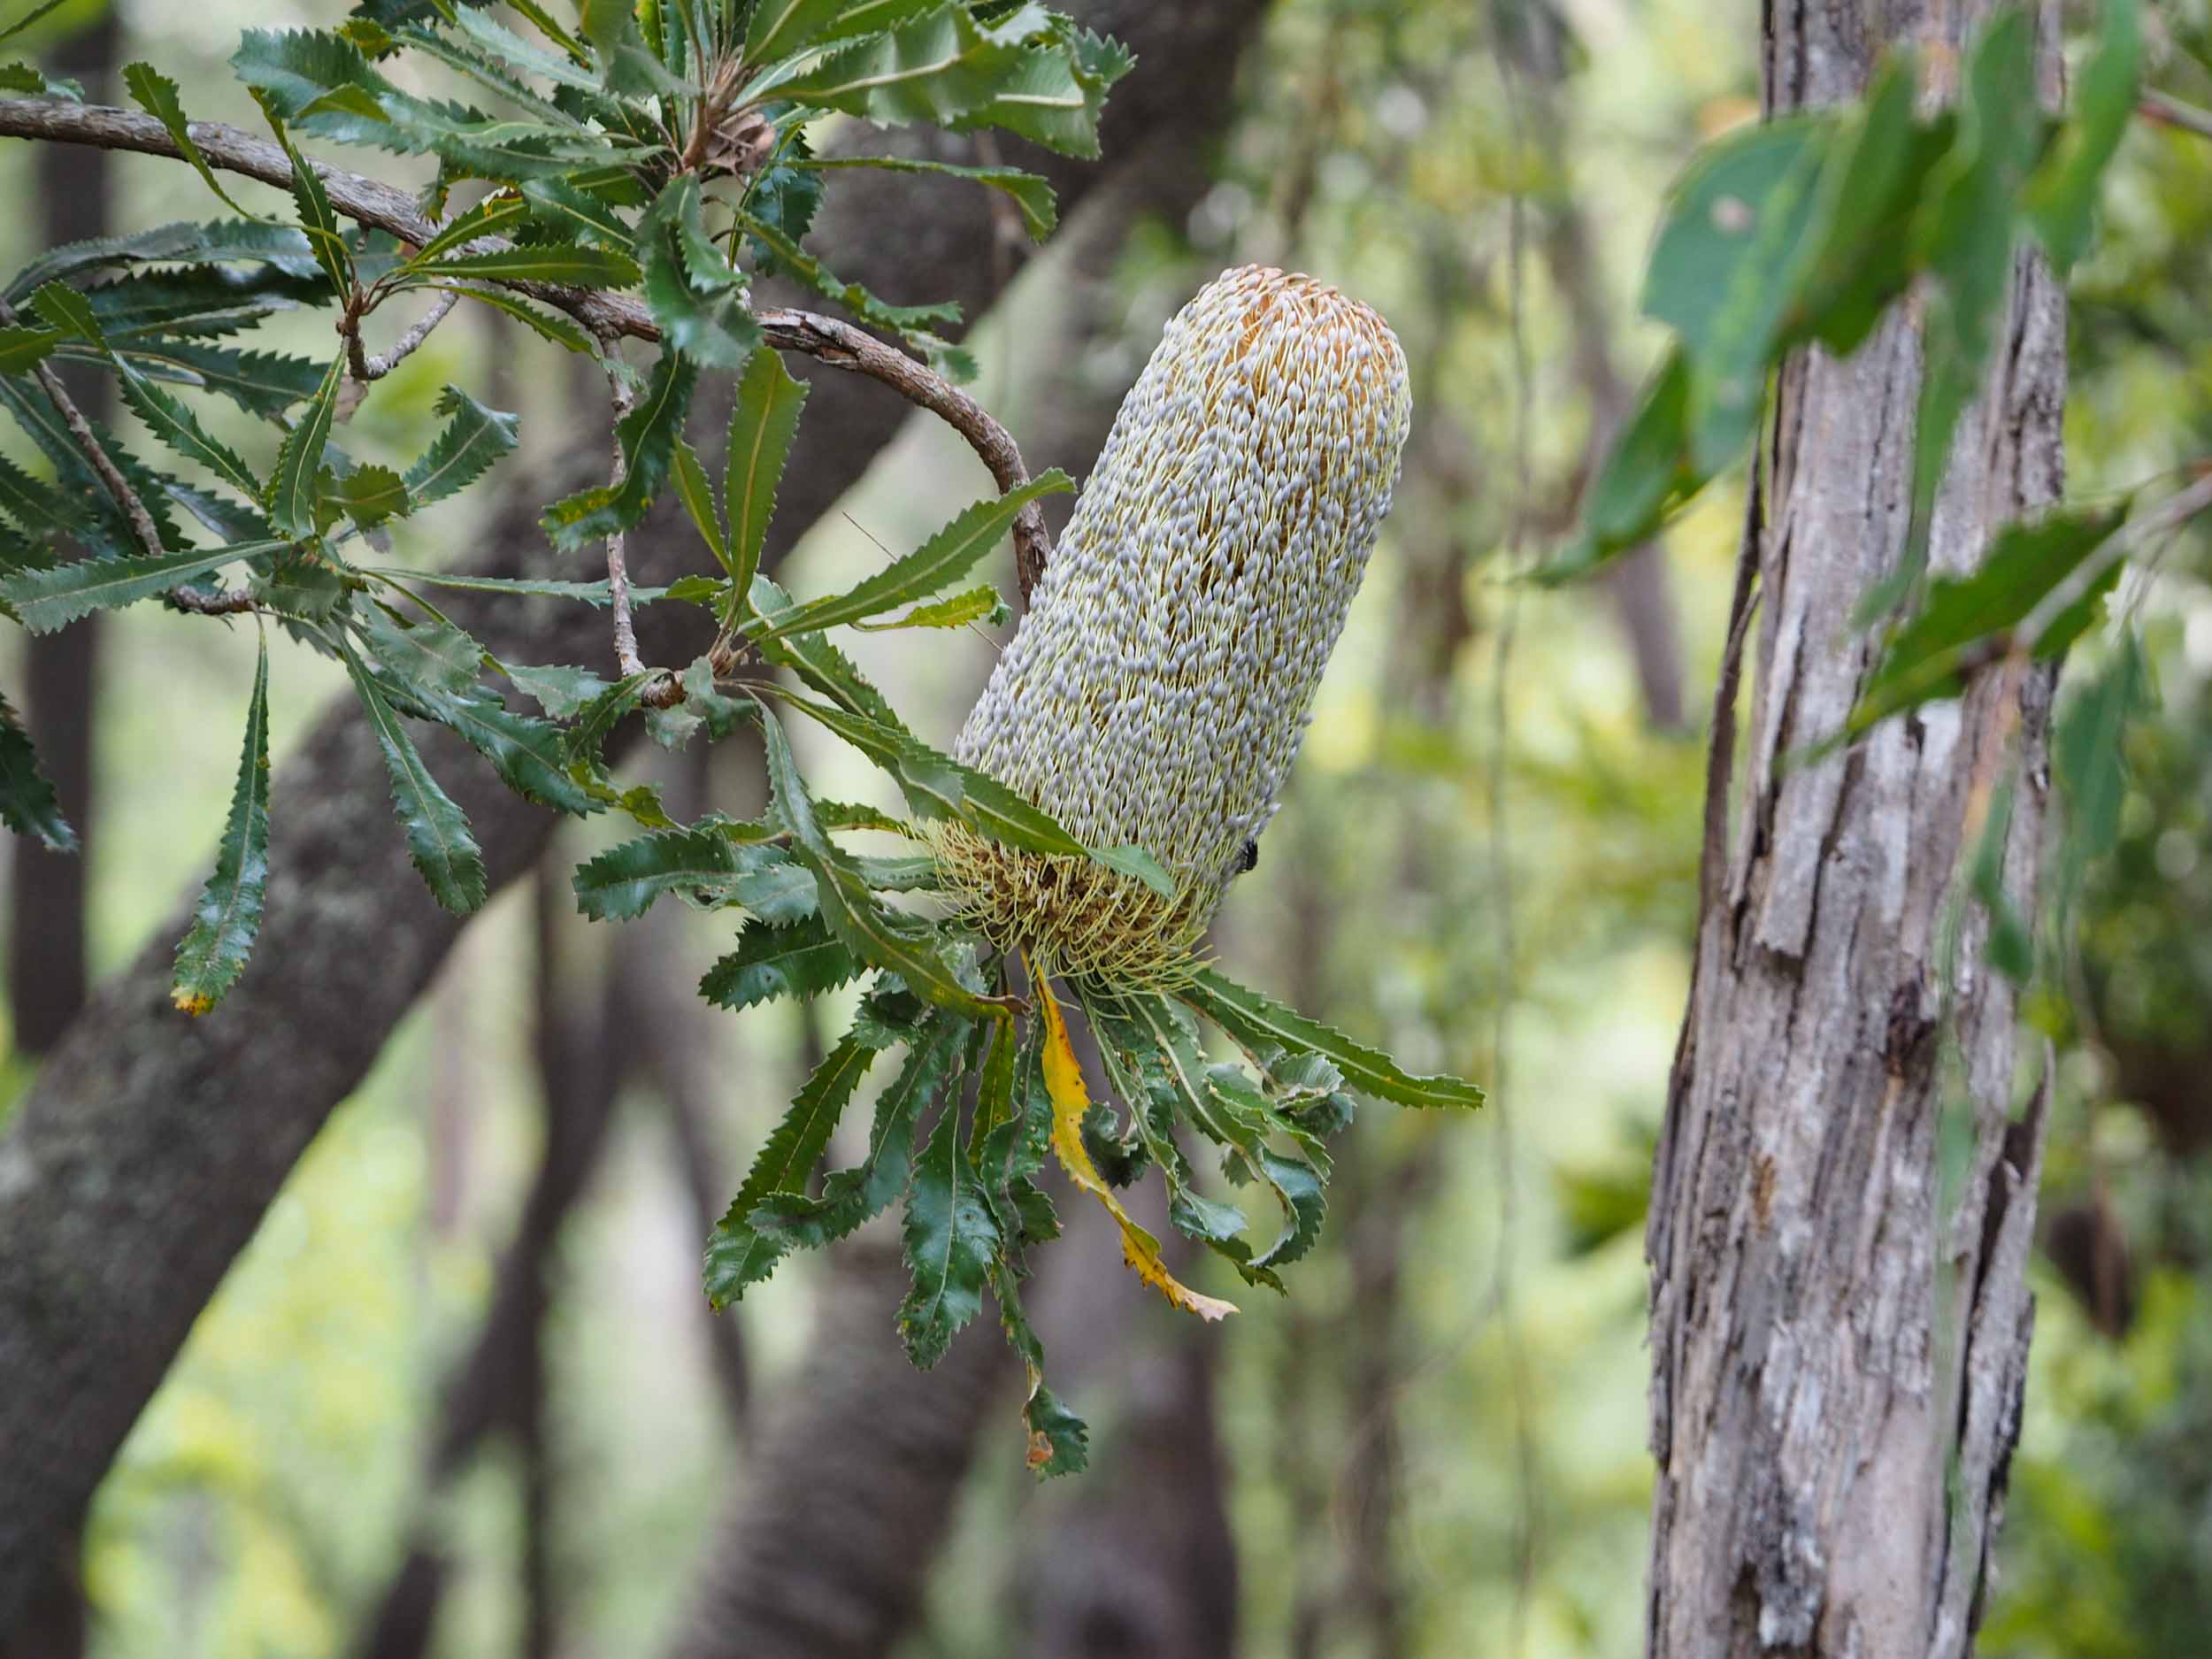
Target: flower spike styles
<point>1157,693</point>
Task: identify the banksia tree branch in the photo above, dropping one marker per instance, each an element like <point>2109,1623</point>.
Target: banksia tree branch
<point>1157,691</point>
<point>607,316</point>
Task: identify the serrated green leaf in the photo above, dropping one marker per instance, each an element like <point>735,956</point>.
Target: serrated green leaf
<point>371,493</point>
<point>28,804</point>
<point>787,258</point>
<point>29,18</point>
<point>697,300</point>
<point>428,655</point>
<point>535,262</point>
<point>264,384</point>
<point>473,438</point>
<point>945,557</point>
<point>318,222</point>
<point>851,1197</point>
<point>781,28</point>
<point>157,95</point>
<point>292,495</point>
<point>951,1239</point>
<point>976,604</point>
<point>648,435</point>
<point>546,324</point>
<point>763,423</point>
<point>802,960</point>
<point>23,346</point>
<point>1255,1020</point>
<point>45,600</point>
<point>739,1256</point>
<point>439,842</point>
<point>495,215</point>
<point>173,424</point>
<point>560,690</point>
<point>880,937</point>
<point>1033,196</point>
<point>624,882</point>
<point>576,212</point>
<point>697,496</point>
<point>22,77</point>
<point>227,918</point>
<point>252,241</point>
<point>1059,1442</point>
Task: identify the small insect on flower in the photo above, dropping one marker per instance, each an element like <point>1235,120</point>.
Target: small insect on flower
<point>1156,692</point>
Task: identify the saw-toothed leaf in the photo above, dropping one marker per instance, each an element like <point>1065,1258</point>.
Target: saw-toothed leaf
<point>696,298</point>
<point>763,423</point>
<point>1258,1022</point>
<point>292,492</point>
<point>804,959</point>
<point>951,1239</point>
<point>157,96</point>
<point>538,262</point>
<point>429,654</point>
<point>788,258</point>
<point>531,756</point>
<point>880,937</point>
<point>439,842</point>
<point>976,604</point>
<point>371,493</point>
<point>559,689</point>
<point>648,435</point>
<point>473,438</point>
<point>45,600</point>
<point>28,803</point>
<point>781,28</point>
<point>1059,1442</point>
<point>739,1257</point>
<point>547,325</point>
<point>624,882</point>
<point>1040,208</point>
<point>697,496</point>
<point>225,921</point>
<point>850,1197</point>
<point>264,384</point>
<point>174,424</point>
<point>221,240</point>
<point>943,559</point>
<point>318,222</point>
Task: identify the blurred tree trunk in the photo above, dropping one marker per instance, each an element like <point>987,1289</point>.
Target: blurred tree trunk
<point>1839,1342</point>
<point>47,925</point>
<point>141,1160</point>
<point>46,921</point>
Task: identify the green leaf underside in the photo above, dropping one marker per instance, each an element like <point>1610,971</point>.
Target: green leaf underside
<point>802,960</point>
<point>439,842</point>
<point>738,1255</point>
<point>951,1237</point>
<point>227,918</point>
<point>1257,1021</point>
<point>28,804</point>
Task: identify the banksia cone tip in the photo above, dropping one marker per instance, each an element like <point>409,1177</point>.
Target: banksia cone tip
<point>1156,692</point>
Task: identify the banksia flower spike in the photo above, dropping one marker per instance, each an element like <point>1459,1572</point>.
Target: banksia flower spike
<point>1156,692</point>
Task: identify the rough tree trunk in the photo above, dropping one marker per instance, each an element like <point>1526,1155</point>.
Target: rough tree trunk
<point>1840,1345</point>
<point>143,1157</point>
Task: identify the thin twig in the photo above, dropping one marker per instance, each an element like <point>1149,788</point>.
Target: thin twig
<point>605,315</point>
<point>2166,111</point>
<point>367,368</point>
<point>626,659</point>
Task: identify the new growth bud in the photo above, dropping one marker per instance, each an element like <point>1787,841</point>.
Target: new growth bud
<point>1156,692</point>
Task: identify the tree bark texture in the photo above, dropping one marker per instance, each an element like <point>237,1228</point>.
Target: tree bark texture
<point>1840,1345</point>
<point>141,1159</point>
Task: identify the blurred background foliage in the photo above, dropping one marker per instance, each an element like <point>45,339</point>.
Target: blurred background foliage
<point>1488,860</point>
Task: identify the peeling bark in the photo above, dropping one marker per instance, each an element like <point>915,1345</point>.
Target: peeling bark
<point>1839,1346</point>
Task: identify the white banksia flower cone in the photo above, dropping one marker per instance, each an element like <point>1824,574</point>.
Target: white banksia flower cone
<point>1156,692</point>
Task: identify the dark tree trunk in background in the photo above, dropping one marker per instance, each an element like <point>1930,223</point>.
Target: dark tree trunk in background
<point>1837,1361</point>
<point>47,932</point>
<point>141,1159</point>
<point>46,921</point>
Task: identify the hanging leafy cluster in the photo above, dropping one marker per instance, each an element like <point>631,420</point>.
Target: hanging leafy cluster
<point>1805,231</point>
<point>634,173</point>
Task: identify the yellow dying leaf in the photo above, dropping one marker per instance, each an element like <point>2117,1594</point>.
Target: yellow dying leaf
<point>190,1003</point>
<point>1063,1081</point>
